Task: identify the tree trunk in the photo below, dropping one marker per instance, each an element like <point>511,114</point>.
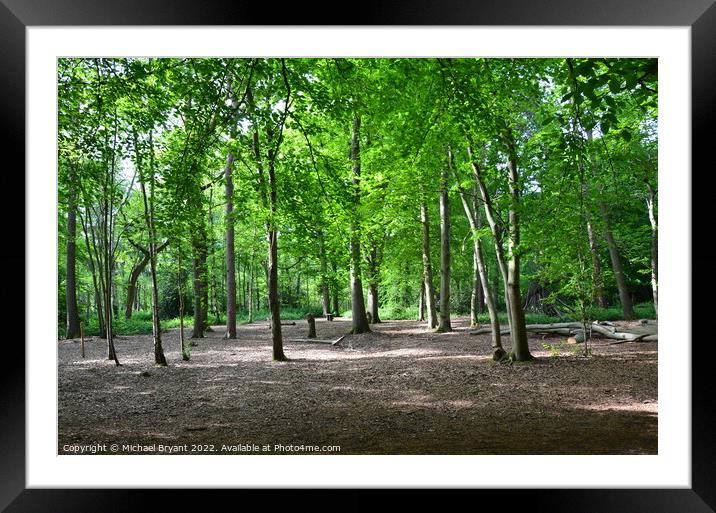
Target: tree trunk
<point>180,285</point>
<point>593,246</point>
<point>273,298</point>
<point>325,298</point>
<point>230,263</point>
<point>624,296</point>
<point>518,332</point>
<point>73,316</point>
<point>311,326</point>
<point>358,312</point>
<point>651,203</point>
<point>596,267</point>
<point>251,291</point>
<point>472,211</point>
<point>444,322</point>
<point>159,358</point>
<point>421,302</point>
<point>334,297</point>
<point>495,229</point>
<point>373,303</point>
<point>107,238</point>
<point>428,269</point>
<point>212,283</point>
<point>95,285</point>
<point>201,286</point>
<point>476,298</point>
<point>132,285</point>
<point>373,269</point>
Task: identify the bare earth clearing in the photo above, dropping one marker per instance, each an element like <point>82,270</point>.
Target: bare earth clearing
<point>398,390</point>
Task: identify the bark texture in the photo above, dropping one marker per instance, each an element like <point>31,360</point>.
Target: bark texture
<point>358,312</point>
<point>520,347</point>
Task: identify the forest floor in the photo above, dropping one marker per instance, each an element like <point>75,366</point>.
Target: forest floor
<point>397,390</point>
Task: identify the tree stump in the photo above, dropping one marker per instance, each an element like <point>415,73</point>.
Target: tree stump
<point>311,326</point>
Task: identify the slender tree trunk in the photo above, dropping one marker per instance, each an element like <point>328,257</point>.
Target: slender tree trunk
<point>93,271</point>
<point>650,203</point>
<point>274,305</point>
<point>476,296</point>
<point>444,321</point>
<point>200,282</point>
<point>624,296</point>
<point>477,303</point>
<point>373,269</point>
<point>334,296</point>
<point>251,292</point>
<point>180,286</point>
<point>212,282</point>
<point>93,251</point>
<point>495,229</point>
<point>597,274</point>
<point>472,211</point>
<point>518,333</point>
<point>73,316</point>
<point>421,302</point>
<point>358,312</point>
<point>159,358</point>
<point>325,299</point>
<point>428,269</point>
<point>107,240</point>
<point>596,267</point>
<point>230,262</point>
<point>115,292</point>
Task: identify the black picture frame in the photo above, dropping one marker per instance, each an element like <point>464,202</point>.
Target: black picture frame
<point>16,15</point>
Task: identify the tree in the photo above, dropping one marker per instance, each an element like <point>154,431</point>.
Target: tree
<point>358,312</point>
<point>444,321</point>
<point>471,206</point>
<point>73,317</point>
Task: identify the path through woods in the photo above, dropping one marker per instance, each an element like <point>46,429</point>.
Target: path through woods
<point>397,390</point>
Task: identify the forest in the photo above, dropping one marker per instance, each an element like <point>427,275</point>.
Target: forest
<point>259,213</point>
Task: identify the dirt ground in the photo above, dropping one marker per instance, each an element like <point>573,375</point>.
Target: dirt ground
<point>397,390</point>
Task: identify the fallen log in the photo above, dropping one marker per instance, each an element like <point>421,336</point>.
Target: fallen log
<point>573,328</point>
<point>641,338</point>
<point>536,327</point>
<point>317,340</point>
